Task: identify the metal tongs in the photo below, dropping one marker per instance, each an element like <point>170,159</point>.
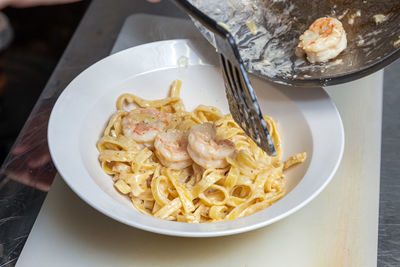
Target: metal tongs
<point>242,99</point>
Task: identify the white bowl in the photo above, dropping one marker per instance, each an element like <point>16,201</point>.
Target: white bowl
<point>308,120</point>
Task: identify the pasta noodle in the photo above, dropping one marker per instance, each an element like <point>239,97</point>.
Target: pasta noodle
<point>189,166</point>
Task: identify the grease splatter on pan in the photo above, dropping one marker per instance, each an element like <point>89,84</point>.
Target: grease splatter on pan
<point>267,33</point>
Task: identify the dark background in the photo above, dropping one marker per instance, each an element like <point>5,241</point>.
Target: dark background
<point>40,36</point>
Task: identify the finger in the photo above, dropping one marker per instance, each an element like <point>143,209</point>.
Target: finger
<point>25,177</point>
<point>30,3</point>
<point>4,3</point>
<point>38,155</point>
<point>36,135</point>
<point>41,160</point>
<point>19,149</point>
<point>27,145</point>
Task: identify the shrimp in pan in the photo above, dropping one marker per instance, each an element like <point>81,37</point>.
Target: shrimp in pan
<point>170,148</point>
<point>144,124</point>
<point>206,150</point>
<point>324,40</point>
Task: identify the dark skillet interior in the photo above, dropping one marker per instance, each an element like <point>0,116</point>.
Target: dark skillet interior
<point>371,46</point>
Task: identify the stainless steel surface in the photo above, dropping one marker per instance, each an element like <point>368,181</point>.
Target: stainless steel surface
<point>389,208</point>
<point>93,40</point>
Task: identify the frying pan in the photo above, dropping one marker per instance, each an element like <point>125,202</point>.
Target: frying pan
<point>268,49</point>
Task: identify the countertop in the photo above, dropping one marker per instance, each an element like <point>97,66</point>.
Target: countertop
<point>92,41</point>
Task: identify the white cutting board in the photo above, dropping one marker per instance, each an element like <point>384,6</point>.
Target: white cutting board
<point>338,228</point>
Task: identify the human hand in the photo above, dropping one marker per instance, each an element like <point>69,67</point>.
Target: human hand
<point>31,3</point>
<point>29,161</point>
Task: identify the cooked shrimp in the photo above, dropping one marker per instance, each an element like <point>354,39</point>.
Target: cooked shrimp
<point>324,40</point>
<point>170,148</point>
<point>144,124</point>
<point>205,149</point>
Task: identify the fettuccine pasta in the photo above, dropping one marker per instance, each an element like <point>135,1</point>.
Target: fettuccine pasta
<point>189,166</point>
